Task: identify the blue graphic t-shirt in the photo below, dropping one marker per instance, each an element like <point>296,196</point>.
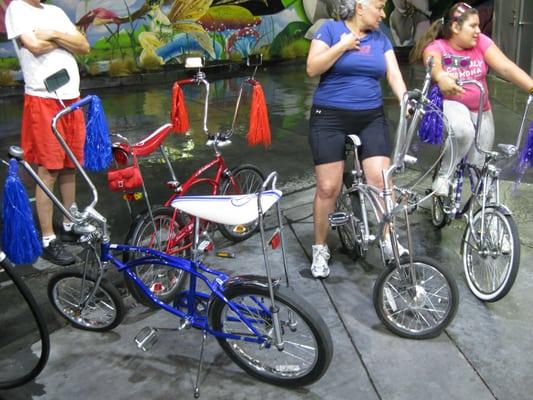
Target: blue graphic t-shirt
<point>352,83</point>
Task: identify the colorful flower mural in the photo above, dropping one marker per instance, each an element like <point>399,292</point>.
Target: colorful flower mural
<point>153,33</point>
<point>128,36</point>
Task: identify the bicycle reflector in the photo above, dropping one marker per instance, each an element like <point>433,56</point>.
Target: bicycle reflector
<point>157,287</point>
<point>275,239</point>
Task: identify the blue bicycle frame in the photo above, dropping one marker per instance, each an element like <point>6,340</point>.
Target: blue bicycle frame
<point>196,271</point>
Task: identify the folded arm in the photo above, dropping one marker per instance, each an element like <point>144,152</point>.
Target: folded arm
<point>75,41</point>
<point>43,41</point>
<point>35,45</point>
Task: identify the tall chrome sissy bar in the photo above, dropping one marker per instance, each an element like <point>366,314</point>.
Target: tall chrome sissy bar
<point>242,209</point>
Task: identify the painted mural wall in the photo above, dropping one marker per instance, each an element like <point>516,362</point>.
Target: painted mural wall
<point>130,36</point>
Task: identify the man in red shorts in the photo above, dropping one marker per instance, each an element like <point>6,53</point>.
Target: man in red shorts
<point>45,41</point>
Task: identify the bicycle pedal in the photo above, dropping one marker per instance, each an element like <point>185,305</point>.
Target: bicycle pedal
<point>225,254</point>
<point>338,218</point>
<point>146,338</point>
<point>206,245</point>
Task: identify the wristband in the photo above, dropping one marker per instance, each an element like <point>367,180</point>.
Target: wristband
<point>531,90</point>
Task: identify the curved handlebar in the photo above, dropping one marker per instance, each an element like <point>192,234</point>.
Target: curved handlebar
<point>271,180</point>
<point>82,102</point>
<point>417,98</point>
<point>482,93</point>
<point>73,107</point>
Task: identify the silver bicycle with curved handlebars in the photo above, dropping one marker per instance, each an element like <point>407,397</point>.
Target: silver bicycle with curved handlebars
<point>490,246</point>
<point>415,297</point>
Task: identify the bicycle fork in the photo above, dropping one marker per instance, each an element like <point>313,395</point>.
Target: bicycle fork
<point>83,302</point>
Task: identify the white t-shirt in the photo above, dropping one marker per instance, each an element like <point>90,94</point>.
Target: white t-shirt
<point>22,18</point>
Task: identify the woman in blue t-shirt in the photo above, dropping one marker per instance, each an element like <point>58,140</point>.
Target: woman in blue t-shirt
<point>351,56</point>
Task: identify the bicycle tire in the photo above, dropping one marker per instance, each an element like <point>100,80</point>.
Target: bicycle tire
<point>171,280</point>
<point>249,179</point>
<point>481,281</point>
<point>254,358</point>
<point>391,291</point>
<point>44,335</point>
<point>439,218</point>
<point>64,290</point>
<point>350,233</point>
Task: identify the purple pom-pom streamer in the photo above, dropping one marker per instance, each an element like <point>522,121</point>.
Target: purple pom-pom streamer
<point>20,240</point>
<point>526,157</point>
<point>97,151</point>
<point>431,127</point>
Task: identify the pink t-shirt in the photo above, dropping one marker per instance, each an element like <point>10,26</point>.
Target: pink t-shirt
<point>477,69</point>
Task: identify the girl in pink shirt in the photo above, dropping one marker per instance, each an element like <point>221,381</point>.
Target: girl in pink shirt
<point>460,52</point>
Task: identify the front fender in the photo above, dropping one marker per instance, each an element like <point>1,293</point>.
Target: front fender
<point>503,209</point>
<point>500,207</point>
<point>248,280</point>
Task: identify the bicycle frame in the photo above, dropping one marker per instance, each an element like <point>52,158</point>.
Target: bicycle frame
<point>486,175</point>
<point>382,202</point>
<point>218,165</point>
<point>222,171</point>
<point>196,271</point>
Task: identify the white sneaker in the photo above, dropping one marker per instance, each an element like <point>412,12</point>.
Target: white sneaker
<point>319,267</point>
<point>387,249</point>
<point>441,186</point>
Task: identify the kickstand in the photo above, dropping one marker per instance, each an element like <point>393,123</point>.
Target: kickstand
<point>196,385</point>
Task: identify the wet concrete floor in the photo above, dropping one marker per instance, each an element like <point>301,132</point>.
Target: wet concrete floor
<point>484,354</point>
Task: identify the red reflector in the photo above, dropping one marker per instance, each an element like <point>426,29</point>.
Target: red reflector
<point>157,287</point>
<point>275,240</point>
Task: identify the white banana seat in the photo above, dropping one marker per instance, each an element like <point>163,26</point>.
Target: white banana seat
<point>227,210</point>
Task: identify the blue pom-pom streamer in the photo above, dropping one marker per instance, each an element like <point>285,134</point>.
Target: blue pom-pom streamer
<point>19,237</point>
<point>431,127</point>
<point>97,151</point>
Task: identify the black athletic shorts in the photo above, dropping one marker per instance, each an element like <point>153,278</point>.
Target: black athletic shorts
<point>329,127</point>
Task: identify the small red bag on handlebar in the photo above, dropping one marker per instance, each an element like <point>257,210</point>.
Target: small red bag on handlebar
<point>125,179</point>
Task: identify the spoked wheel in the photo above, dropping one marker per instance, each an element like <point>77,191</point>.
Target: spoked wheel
<point>419,306</point>
<point>439,217</point>
<point>104,310</point>
<point>491,264</point>
<point>169,232</point>
<point>246,179</point>
<point>350,234</point>
<point>307,346</point>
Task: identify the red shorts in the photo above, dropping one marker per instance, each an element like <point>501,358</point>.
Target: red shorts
<point>39,143</point>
